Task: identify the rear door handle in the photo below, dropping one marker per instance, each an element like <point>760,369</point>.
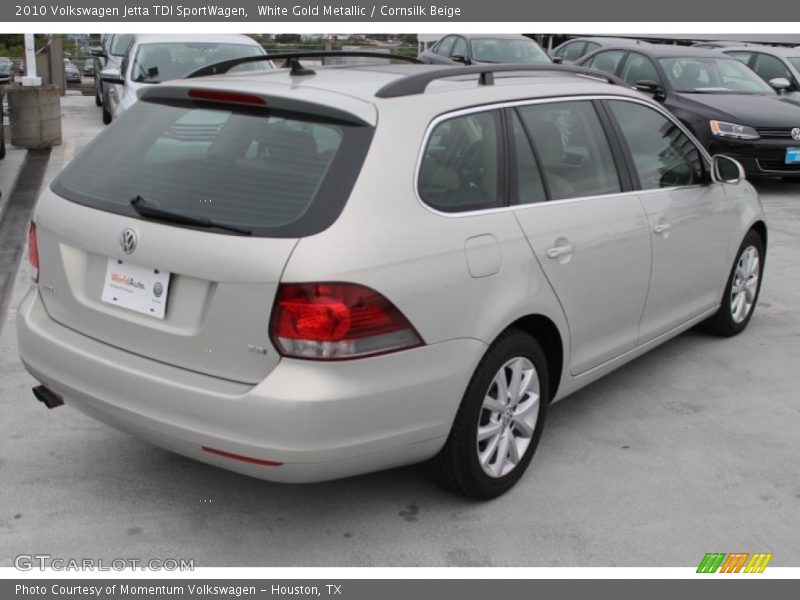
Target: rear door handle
<point>662,228</point>
<point>559,251</point>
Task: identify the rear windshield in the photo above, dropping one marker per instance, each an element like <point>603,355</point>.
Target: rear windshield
<point>277,174</point>
<point>503,50</point>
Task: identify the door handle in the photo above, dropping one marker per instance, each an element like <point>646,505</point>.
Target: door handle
<point>662,228</point>
<point>559,251</point>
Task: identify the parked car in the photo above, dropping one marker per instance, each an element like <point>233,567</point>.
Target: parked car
<point>482,48</point>
<point>779,67</point>
<point>717,44</point>
<point>20,64</point>
<point>6,71</point>
<point>153,59</point>
<point>88,67</point>
<point>722,102</point>
<point>574,49</point>
<point>238,283</point>
<point>108,56</point>
<point>72,72</point>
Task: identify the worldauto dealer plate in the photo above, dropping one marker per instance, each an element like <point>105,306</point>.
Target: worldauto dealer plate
<point>792,156</point>
<point>136,288</point>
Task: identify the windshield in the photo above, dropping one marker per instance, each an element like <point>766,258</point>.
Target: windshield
<point>161,62</point>
<point>795,60</point>
<point>120,43</point>
<point>701,75</point>
<point>499,50</point>
<point>276,173</point>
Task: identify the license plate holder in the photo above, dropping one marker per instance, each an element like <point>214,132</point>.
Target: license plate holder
<point>137,288</point>
<point>792,156</point>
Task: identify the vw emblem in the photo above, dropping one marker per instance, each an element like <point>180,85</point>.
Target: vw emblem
<point>796,134</point>
<point>127,240</point>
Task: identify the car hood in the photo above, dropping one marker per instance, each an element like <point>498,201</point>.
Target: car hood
<point>752,110</point>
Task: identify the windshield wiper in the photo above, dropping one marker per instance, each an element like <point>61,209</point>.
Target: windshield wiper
<point>148,209</point>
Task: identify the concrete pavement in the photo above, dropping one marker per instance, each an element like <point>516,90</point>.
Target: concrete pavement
<point>691,449</point>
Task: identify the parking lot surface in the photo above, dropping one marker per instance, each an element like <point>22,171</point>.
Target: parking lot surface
<point>692,448</point>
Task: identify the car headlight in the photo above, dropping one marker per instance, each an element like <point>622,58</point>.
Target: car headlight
<point>732,130</point>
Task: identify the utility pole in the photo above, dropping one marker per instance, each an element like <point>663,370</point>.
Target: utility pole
<point>30,79</point>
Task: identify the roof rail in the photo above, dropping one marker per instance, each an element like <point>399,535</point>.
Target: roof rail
<point>293,60</point>
<point>416,83</point>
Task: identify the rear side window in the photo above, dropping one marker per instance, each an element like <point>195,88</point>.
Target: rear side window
<point>572,148</point>
<point>662,154</point>
<point>460,167</point>
<point>276,173</point>
<point>526,178</point>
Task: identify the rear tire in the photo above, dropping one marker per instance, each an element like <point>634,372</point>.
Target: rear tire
<point>499,422</point>
<point>741,290</point>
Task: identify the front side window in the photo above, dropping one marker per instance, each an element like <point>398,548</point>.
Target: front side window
<point>607,61</point>
<point>742,56</point>
<point>120,43</point>
<point>444,47</point>
<point>768,68</point>
<point>158,62</point>
<point>460,167</point>
<point>662,154</point>
<point>712,76</point>
<point>639,68</point>
<point>572,148</point>
<point>460,48</point>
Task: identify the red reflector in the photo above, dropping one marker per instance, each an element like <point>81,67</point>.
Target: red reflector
<point>257,461</point>
<point>234,97</point>
<point>33,250</point>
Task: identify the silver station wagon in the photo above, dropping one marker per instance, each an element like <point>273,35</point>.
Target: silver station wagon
<point>306,274</point>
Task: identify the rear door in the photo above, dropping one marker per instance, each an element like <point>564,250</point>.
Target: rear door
<point>263,178</point>
<point>689,218</point>
<point>590,238</point>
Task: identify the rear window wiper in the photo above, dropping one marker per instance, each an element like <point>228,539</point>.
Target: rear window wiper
<point>148,209</point>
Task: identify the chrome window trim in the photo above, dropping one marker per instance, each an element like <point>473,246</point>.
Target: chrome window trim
<point>515,103</point>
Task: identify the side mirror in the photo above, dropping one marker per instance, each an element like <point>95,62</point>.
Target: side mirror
<point>98,52</point>
<point>648,86</point>
<point>460,58</point>
<point>557,59</point>
<point>112,76</point>
<point>726,170</point>
<point>780,84</point>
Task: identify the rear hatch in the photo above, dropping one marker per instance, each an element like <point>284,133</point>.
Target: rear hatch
<point>187,274</point>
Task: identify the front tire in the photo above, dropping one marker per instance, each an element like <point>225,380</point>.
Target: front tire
<point>741,290</point>
<point>106,114</point>
<point>499,422</point>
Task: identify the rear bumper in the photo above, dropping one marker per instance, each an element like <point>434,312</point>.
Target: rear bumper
<point>319,420</point>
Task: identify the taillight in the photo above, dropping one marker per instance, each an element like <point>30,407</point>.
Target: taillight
<point>330,321</point>
<point>33,251</point>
